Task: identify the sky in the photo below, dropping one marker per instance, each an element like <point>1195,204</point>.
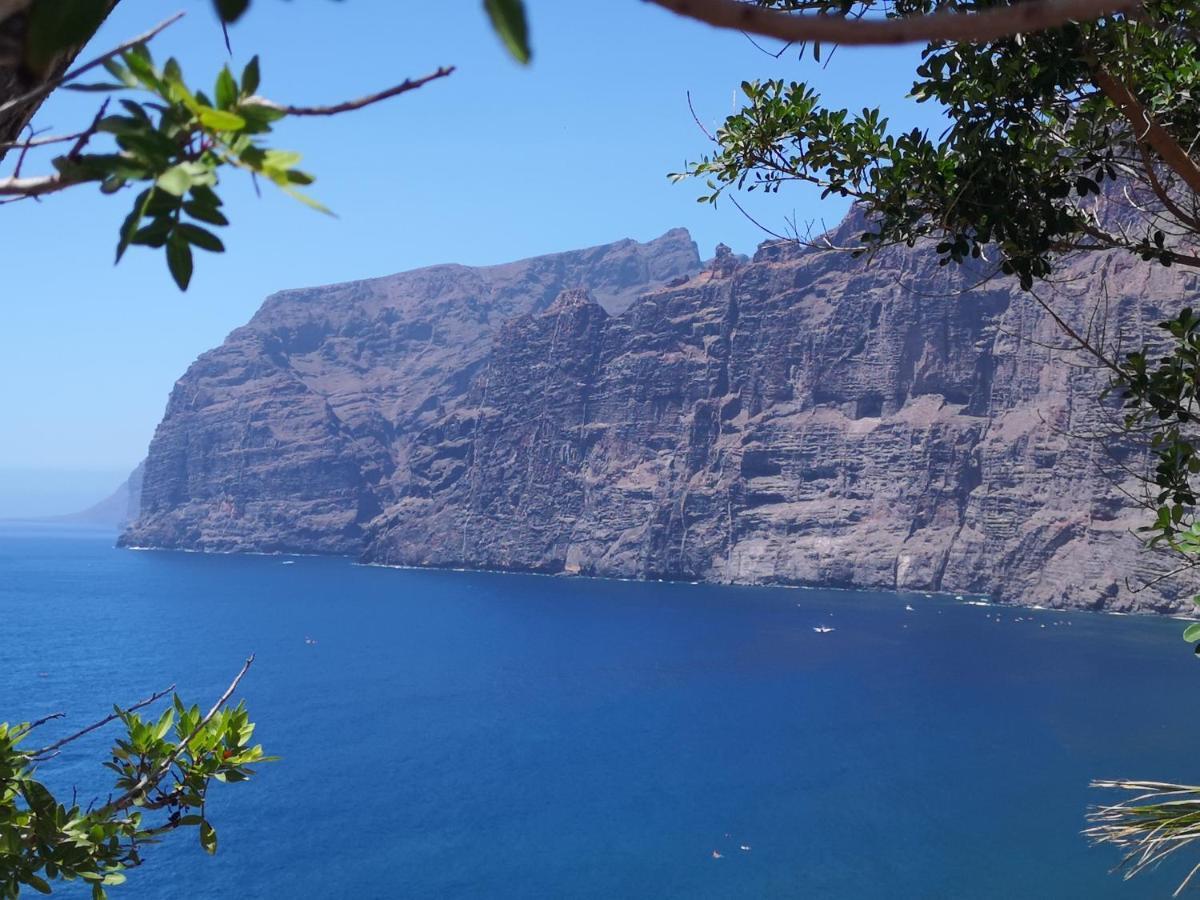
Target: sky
<point>496,162</point>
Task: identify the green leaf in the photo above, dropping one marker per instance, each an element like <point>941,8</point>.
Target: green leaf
<point>165,721</point>
<point>280,159</point>
<point>226,90</point>
<point>306,200</point>
<point>138,60</point>
<point>175,181</point>
<point>250,77</point>
<point>38,884</point>
<point>220,120</point>
<point>155,234</point>
<point>129,229</point>
<point>508,21</point>
<point>1192,632</point>
<point>119,72</point>
<point>204,213</point>
<point>201,237</point>
<point>179,260</point>
<point>230,10</point>
<point>208,837</point>
<point>98,893</point>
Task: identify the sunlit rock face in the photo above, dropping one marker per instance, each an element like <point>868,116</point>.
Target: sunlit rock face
<point>800,417</point>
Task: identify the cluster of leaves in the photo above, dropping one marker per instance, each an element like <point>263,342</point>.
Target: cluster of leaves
<point>177,143</point>
<point>162,769</point>
<point>1029,138</point>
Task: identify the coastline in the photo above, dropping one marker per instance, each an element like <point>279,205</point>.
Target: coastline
<point>965,598</point>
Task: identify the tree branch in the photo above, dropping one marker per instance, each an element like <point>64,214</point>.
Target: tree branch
<point>54,83</point>
<point>981,27</point>
<point>1188,221</point>
<point>34,186</point>
<point>50,748</point>
<point>409,84</point>
<point>1146,128</point>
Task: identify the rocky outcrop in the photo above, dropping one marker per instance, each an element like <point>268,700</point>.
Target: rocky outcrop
<point>796,418</point>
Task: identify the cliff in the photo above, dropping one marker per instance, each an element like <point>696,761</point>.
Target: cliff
<point>797,418</point>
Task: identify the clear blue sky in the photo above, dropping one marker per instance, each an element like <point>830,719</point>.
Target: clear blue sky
<point>495,163</point>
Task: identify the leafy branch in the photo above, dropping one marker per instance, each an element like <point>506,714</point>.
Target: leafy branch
<point>175,143</point>
<point>163,770</point>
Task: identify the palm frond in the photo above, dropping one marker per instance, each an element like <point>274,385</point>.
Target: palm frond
<point>1161,819</point>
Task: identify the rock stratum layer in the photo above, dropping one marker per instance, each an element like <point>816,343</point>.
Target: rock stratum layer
<point>796,418</point>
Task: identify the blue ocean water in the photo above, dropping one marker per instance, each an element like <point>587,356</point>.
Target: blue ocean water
<point>483,735</point>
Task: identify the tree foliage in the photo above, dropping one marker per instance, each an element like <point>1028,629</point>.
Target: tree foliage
<point>176,143</point>
<point>161,770</point>
<point>171,140</point>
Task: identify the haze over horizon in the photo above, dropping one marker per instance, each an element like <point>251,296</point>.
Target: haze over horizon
<point>492,164</point>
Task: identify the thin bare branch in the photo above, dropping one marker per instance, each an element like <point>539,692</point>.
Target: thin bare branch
<point>991,25</point>
<point>36,723</point>
<point>33,142</point>
<point>50,748</point>
<point>409,84</point>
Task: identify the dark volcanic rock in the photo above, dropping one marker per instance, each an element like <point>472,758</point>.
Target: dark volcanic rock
<point>291,434</point>
<point>795,418</point>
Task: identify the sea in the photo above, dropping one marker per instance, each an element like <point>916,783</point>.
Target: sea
<point>454,734</point>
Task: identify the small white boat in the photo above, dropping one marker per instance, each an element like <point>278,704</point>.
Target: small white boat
<point>908,607</point>
<point>288,562</point>
<point>746,847</point>
<point>822,629</point>
<point>716,855</point>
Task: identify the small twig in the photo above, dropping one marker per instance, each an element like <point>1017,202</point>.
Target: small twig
<point>40,141</point>
<point>696,119</point>
<point>409,84</point>
<point>87,133</point>
<point>757,223</point>
<point>49,86</point>
<point>762,49</point>
<point>37,722</point>
<point>52,747</point>
<point>24,151</point>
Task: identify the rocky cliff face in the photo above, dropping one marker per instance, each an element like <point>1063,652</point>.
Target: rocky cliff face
<point>796,418</point>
